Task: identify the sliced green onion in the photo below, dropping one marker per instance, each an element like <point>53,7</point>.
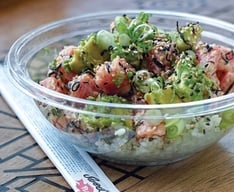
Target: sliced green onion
<point>227,119</point>
<point>124,39</point>
<point>142,32</point>
<point>105,39</point>
<point>174,128</point>
<point>121,24</point>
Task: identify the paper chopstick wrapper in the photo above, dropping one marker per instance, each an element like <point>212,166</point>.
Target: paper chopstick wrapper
<point>77,167</point>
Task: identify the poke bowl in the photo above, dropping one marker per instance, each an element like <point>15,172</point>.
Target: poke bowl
<point>138,87</point>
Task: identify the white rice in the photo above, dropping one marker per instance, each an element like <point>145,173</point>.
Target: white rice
<point>199,133</point>
<point>202,134</point>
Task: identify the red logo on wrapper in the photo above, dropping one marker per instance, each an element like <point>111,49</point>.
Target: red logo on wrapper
<point>83,187</point>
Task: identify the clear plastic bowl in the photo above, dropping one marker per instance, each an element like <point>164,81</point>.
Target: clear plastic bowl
<point>28,60</point>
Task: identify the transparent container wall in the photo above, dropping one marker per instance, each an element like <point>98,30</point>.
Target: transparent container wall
<point>52,40</point>
<point>114,130</point>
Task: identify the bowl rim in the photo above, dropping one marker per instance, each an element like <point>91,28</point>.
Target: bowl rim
<point>28,86</point>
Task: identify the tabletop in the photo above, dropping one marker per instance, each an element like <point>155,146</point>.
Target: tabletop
<point>25,167</point>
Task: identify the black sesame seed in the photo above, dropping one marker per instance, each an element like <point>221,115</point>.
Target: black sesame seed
<point>110,48</point>
<point>75,86</point>
<point>51,73</point>
<point>108,68</point>
<point>208,47</point>
<point>158,63</point>
<point>229,88</point>
<point>102,53</point>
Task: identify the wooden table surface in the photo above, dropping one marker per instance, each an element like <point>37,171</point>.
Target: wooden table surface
<point>24,166</point>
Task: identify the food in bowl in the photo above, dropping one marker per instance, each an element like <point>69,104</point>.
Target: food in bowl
<point>140,94</point>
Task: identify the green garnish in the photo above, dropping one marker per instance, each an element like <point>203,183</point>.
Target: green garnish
<point>133,37</point>
<point>174,127</point>
<point>190,82</point>
<point>89,53</point>
<point>97,122</point>
<point>187,36</point>
<point>105,39</point>
<point>227,119</point>
<point>154,88</point>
